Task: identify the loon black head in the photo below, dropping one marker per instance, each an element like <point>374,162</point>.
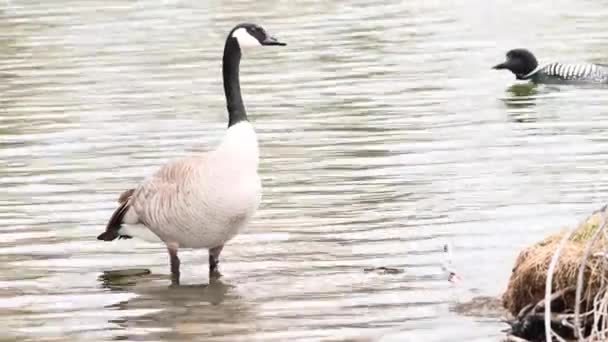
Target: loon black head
<point>521,62</point>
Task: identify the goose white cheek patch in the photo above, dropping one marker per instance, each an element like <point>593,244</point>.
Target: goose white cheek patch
<point>245,39</point>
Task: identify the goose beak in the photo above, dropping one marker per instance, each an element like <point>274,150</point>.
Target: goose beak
<point>272,41</point>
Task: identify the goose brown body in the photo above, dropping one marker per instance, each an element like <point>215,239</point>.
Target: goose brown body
<point>202,201</point>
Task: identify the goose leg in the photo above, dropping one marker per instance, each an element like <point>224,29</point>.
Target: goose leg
<point>214,260</point>
<point>174,260</point>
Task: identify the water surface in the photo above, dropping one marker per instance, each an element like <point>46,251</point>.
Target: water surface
<point>384,135</point>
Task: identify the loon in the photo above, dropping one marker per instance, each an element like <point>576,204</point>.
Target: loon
<point>524,65</point>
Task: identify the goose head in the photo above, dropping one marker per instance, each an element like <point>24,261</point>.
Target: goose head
<point>249,35</point>
<point>521,62</point>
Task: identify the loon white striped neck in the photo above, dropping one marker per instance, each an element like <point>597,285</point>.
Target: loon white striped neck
<point>531,73</point>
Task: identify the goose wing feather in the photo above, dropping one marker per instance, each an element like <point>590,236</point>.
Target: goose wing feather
<point>160,198</point>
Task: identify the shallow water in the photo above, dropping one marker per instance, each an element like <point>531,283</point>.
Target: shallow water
<point>384,135</point>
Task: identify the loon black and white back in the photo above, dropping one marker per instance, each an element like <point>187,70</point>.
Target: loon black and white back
<point>524,65</point>
<point>557,72</point>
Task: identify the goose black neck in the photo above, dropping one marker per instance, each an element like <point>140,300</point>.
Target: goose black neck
<point>232,86</point>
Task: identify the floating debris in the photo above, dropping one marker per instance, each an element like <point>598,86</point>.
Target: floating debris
<point>383,270</point>
<point>447,267</point>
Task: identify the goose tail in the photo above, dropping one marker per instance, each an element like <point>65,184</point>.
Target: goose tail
<point>115,223</point>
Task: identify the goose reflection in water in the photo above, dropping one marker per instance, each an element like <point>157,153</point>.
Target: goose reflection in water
<point>186,311</point>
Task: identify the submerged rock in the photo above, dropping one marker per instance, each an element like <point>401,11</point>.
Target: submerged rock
<point>122,277</point>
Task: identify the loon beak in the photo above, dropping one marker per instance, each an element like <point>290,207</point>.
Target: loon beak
<point>500,66</point>
<point>269,40</point>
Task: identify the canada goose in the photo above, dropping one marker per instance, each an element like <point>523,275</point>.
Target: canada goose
<point>205,200</point>
<point>523,64</point>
